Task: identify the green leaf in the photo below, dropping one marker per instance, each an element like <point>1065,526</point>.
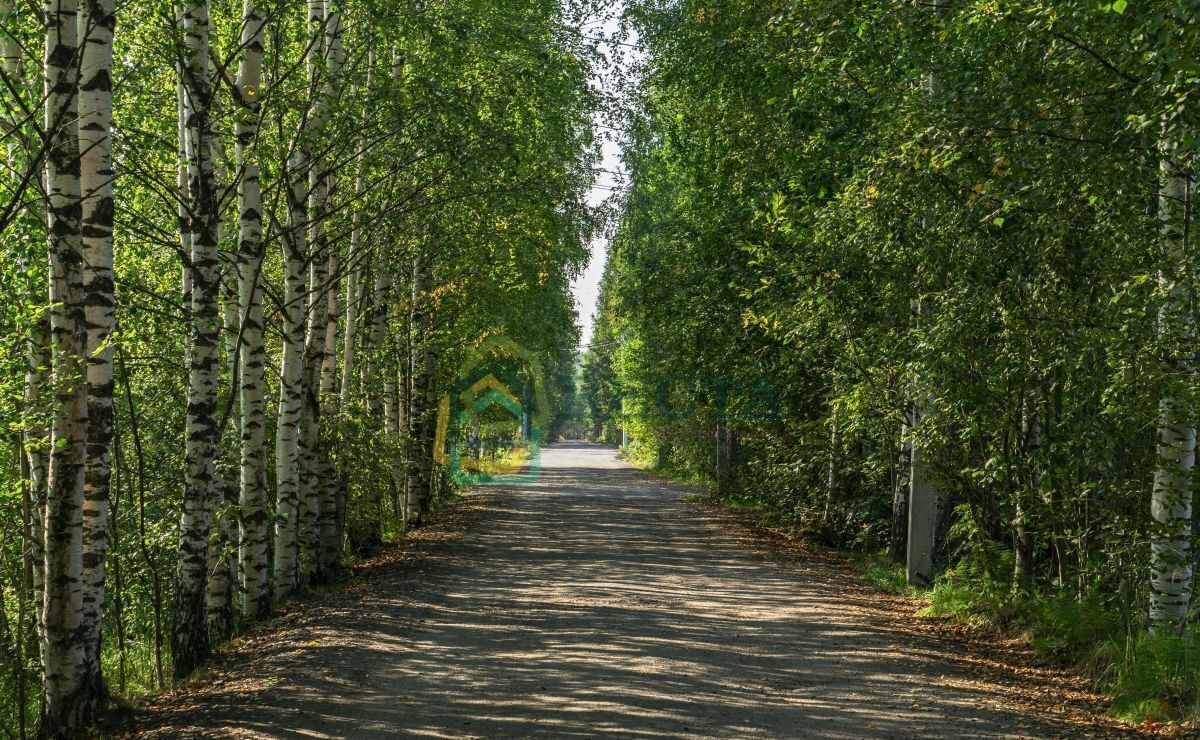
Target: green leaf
<point>1118,6</point>
<point>998,221</point>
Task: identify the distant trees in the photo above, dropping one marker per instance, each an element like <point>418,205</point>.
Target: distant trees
<point>205,209</point>
<point>909,252</point>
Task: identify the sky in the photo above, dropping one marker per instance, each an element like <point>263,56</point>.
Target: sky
<point>586,287</point>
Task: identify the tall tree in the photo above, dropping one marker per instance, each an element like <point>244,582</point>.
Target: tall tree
<point>189,636</point>
<point>254,538</point>
<point>1171,501</point>
<point>97,21</point>
<point>63,645</point>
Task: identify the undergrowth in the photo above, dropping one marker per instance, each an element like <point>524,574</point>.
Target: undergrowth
<point>882,572</point>
<point>1148,676</point>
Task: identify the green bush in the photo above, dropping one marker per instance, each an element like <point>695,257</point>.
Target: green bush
<point>1069,629</point>
<point>882,572</point>
<point>1154,676</point>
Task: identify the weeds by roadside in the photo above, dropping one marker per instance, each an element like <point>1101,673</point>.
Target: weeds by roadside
<point>1149,678</point>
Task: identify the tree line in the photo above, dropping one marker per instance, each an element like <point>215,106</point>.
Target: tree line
<point>920,278</point>
<point>245,248</point>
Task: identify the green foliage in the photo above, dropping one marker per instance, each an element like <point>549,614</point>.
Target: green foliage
<point>460,140</point>
<point>1070,630</point>
<point>1154,677</point>
<point>837,208</point>
<point>882,572</point>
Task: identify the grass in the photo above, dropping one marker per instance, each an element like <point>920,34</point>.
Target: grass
<point>1149,677</point>
<point>1153,677</point>
<point>882,572</point>
<point>508,462</point>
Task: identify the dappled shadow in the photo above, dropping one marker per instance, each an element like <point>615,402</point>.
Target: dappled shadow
<point>594,601</point>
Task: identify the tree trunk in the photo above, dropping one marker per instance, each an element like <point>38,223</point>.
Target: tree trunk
<point>367,533</point>
<point>96,190</point>
<point>189,637</point>
<point>34,438</point>
<point>222,546</point>
<point>291,391</point>
<point>898,539</point>
<point>923,508</point>
<point>310,138</point>
<point>1171,500</point>
<point>252,495</point>
<point>36,443</point>
<point>923,501</point>
<point>420,463</point>
<point>65,706</point>
<point>832,479</point>
<point>330,541</point>
<point>354,268</point>
<point>1031,440</point>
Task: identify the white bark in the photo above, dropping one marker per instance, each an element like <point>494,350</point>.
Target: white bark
<point>291,391</point>
<point>923,506</point>
<point>254,535</point>
<point>189,638</point>
<point>1171,500</point>
<point>329,536</point>
<point>96,188</point>
<point>311,142</point>
<point>63,649</point>
<point>354,266</point>
<point>1031,440</point>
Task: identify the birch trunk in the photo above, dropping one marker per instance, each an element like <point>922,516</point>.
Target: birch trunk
<point>367,534</point>
<point>349,339</point>
<point>422,421</point>
<point>96,190</point>
<point>63,649</point>
<point>310,139</point>
<point>354,260</point>
<point>1171,499</point>
<point>291,391</point>
<point>189,639</point>
<point>350,322</point>
<point>406,401</point>
<point>34,432</point>
<point>391,432</point>
<point>330,542</point>
<point>183,160</point>
<point>36,443</point>
<point>252,494</point>
<point>222,545</point>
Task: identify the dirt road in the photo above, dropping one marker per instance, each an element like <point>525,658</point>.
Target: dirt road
<point>597,601</point>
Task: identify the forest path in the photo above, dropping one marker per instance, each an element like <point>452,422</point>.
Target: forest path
<point>597,601</point>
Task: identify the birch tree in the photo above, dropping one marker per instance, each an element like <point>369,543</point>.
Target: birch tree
<point>254,536</point>
<point>64,647</point>
<point>134,382</point>
<point>189,638</point>
<point>1171,501</point>
<point>329,546</point>
<point>291,390</point>
<point>97,22</point>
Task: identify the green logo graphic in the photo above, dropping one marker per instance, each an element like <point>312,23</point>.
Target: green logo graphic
<point>497,402</point>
